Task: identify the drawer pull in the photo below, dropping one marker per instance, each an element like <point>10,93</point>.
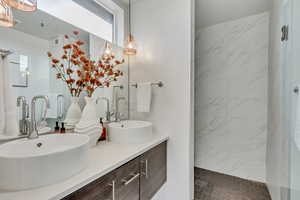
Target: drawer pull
<point>113,185</point>
<point>146,169</point>
<point>134,176</point>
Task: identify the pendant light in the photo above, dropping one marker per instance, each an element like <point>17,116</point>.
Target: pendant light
<point>23,5</point>
<point>107,51</point>
<point>6,15</point>
<point>130,45</point>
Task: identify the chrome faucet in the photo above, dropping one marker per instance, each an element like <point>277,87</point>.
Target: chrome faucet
<point>108,113</point>
<point>33,133</point>
<point>24,122</point>
<point>60,107</point>
<point>118,113</point>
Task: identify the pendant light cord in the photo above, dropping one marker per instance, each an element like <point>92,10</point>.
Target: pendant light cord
<point>130,17</point>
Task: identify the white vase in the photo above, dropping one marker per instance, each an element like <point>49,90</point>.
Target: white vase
<point>74,113</point>
<point>88,118</point>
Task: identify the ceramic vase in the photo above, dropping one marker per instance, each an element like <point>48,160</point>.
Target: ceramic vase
<point>88,123</point>
<point>73,114</point>
<point>88,118</point>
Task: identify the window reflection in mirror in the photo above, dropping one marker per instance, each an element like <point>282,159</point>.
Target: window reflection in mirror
<point>19,71</point>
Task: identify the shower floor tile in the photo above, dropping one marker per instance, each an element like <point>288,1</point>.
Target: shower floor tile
<point>215,186</point>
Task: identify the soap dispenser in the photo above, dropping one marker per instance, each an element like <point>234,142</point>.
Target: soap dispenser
<point>56,128</point>
<point>103,136</point>
<point>63,129</point>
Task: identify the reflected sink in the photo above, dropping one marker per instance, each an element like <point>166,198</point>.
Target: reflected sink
<point>130,132</point>
<point>26,164</point>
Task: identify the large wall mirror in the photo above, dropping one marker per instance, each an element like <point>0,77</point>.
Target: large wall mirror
<point>49,29</point>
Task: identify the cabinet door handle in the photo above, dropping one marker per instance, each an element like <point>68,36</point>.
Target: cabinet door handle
<point>146,168</point>
<point>134,176</point>
<point>113,185</point>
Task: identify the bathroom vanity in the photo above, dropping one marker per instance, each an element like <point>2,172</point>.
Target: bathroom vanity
<point>114,172</point>
<point>140,178</point>
<point>34,166</point>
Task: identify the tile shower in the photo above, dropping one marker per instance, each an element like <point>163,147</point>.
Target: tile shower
<point>231,75</point>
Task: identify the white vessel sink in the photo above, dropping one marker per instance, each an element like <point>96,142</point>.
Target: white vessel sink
<point>26,164</point>
<point>130,132</point>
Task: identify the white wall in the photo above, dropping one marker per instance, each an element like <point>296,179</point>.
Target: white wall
<point>163,31</point>
<point>283,156</point>
<point>295,80</point>
<point>277,150</point>
<point>36,49</point>
<point>211,12</point>
<point>231,97</point>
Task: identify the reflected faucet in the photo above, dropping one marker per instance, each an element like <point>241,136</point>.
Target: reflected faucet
<point>118,113</point>
<point>108,114</point>
<point>33,133</point>
<point>60,107</point>
<point>23,123</point>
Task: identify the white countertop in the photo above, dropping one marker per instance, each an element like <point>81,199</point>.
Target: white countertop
<point>103,158</point>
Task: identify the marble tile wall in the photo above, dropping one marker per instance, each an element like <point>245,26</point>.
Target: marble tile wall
<point>231,97</point>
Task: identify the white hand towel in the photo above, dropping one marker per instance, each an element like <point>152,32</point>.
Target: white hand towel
<point>8,109</point>
<point>144,94</point>
<point>297,123</point>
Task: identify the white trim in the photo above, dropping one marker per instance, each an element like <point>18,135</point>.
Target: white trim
<point>119,20</point>
<point>65,9</point>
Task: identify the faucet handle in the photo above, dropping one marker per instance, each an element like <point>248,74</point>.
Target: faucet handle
<point>121,116</point>
<point>60,103</point>
<point>27,110</point>
<point>21,99</point>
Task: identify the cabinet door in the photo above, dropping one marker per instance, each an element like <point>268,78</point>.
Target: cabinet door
<point>128,181</point>
<point>101,189</point>
<point>153,166</point>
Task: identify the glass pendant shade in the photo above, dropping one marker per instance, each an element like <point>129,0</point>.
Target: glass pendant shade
<point>107,50</point>
<point>24,5</point>
<point>6,15</point>
<point>130,46</point>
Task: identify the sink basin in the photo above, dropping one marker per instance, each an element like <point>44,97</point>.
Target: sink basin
<point>27,164</point>
<point>130,132</point>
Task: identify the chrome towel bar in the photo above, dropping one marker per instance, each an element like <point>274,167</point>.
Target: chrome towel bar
<point>119,86</point>
<point>158,84</point>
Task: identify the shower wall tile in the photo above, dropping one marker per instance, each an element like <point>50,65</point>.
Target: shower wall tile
<point>231,97</point>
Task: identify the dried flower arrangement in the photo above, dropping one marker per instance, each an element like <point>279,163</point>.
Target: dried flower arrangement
<point>79,72</point>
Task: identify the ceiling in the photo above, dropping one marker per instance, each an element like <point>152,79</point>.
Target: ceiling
<point>45,26</point>
<point>208,12</point>
<point>211,12</point>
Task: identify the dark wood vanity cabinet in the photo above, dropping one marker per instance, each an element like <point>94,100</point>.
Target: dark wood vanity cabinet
<point>139,179</point>
<point>153,171</point>
<point>102,188</point>
<point>128,181</point>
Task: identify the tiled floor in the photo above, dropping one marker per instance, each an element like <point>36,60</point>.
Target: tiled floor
<point>214,186</point>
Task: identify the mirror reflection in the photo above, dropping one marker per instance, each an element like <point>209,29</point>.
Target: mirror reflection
<point>71,73</point>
